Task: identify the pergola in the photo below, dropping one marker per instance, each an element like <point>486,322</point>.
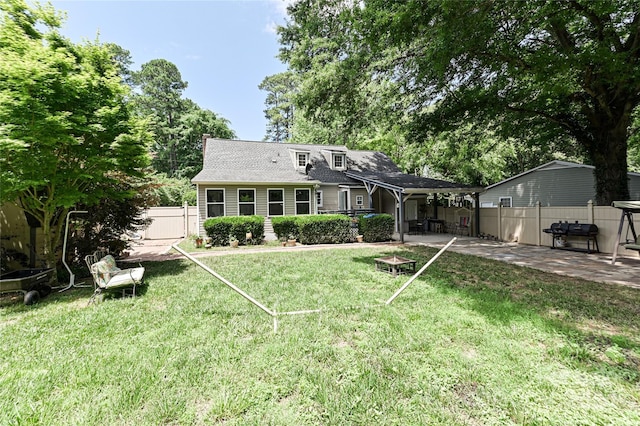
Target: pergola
<point>404,186</point>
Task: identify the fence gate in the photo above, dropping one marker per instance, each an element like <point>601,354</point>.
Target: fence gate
<point>170,222</point>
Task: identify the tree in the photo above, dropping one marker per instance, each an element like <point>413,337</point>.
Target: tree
<point>160,99</point>
<point>67,137</point>
<point>280,89</point>
<point>177,123</point>
<point>563,70</point>
<point>191,125</point>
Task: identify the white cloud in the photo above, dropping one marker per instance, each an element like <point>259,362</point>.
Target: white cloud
<point>271,27</point>
<point>281,6</point>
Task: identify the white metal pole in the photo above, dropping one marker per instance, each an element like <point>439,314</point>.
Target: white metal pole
<point>72,277</point>
<point>224,280</point>
<point>417,274</point>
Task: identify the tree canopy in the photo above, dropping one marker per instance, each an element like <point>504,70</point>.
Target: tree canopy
<point>68,136</point>
<point>280,90</point>
<point>554,76</point>
<point>177,123</point>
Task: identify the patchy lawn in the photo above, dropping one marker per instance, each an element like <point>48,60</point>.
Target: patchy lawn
<point>472,341</point>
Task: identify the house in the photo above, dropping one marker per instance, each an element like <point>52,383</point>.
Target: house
<point>275,179</point>
<point>554,184</point>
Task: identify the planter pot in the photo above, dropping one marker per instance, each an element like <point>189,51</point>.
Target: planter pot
<point>291,243</point>
<point>359,238</point>
<point>198,242</point>
<point>234,243</point>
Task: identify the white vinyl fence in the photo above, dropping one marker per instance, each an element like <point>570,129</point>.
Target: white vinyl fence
<point>525,224</point>
<point>170,222</point>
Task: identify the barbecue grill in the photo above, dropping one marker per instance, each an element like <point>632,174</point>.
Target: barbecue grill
<point>562,230</point>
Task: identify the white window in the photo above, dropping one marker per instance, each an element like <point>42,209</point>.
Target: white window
<point>276,202</point>
<point>303,159</point>
<point>303,201</point>
<point>360,200</point>
<point>338,161</point>
<point>505,201</point>
<point>215,202</point>
<point>246,202</point>
<point>318,198</point>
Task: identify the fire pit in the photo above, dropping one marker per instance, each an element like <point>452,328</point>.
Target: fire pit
<point>562,231</point>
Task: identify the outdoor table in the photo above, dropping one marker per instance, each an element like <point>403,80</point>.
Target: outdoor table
<point>395,264</point>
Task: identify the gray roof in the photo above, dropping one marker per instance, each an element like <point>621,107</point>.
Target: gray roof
<point>411,183</point>
<point>551,165</point>
<point>235,161</point>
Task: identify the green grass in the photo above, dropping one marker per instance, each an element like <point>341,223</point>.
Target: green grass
<point>472,341</point>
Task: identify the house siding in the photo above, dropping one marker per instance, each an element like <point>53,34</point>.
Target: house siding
<point>231,199</point>
<point>329,197</point>
<point>555,187</point>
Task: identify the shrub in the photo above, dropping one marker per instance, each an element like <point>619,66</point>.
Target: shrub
<point>219,229</point>
<point>285,227</point>
<point>324,229</point>
<point>377,227</point>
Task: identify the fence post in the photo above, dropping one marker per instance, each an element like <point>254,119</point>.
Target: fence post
<point>185,207</point>
<point>539,222</point>
<point>590,212</point>
<point>500,221</point>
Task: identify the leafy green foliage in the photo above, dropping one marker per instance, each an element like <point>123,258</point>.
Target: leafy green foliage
<point>324,229</point>
<point>167,191</point>
<point>377,227</point>
<point>550,77</point>
<point>68,136</point>
<point>280,90</point>
<point>220,229</point>
<point>285,227</point>
<point>178,124</point>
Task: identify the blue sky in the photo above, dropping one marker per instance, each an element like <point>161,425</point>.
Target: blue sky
<point>222,48</point>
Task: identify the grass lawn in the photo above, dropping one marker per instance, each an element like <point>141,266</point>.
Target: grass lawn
<point>471,342</point>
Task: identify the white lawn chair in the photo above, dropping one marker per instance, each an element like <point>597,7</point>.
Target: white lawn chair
<point>107,277</point>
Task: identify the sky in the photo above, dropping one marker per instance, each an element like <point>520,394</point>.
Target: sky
<point>222,48</point>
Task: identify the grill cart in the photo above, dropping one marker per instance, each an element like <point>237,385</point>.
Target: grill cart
<point>561,230</point>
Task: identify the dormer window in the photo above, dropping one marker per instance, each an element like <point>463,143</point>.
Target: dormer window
<point>339,161</point>
<point>303,159</point>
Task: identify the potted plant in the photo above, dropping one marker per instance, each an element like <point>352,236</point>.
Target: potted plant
<point>197,240</point>
<point>291,241</point>
<point>233,241</point>
<point>359,238</point>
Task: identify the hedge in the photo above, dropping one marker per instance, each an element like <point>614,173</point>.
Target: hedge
<point>324,229</point>
<point>219,229</point>
<point>378,227</point>
<point>285,227</point>
<point>313,229</point>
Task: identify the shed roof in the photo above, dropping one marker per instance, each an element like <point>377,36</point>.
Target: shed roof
<point>551,165</point>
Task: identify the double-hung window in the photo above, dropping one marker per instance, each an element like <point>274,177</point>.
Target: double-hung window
<point>215,202</point>
<point>276,202</point>
<point>302,159</point>
<point>246,202</point>
<point>303,201</point>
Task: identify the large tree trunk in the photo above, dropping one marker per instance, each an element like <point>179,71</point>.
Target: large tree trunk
<point>608,152</point>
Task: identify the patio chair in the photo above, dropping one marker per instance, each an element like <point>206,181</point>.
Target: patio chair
<point>414,227</point>
<point>463,223</point>
<point>107,277</point>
